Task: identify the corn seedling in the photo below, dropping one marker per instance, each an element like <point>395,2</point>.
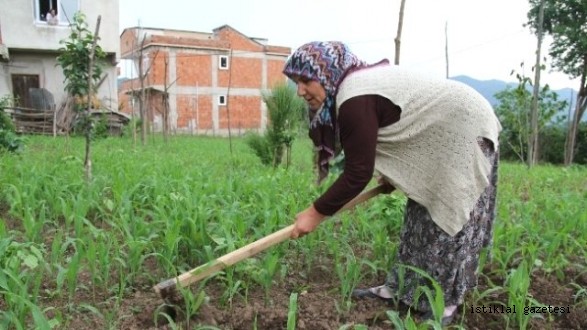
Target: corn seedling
<point>292,311</point>
<point>153,212</point>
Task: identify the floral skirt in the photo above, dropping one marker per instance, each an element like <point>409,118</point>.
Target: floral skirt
<point>451,261</point>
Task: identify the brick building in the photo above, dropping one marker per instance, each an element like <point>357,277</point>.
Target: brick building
<point>208,82</point>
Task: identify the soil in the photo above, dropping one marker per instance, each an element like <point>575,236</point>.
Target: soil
<point>319,307</point>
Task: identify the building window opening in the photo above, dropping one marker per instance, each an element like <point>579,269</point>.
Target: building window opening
<point>45,7</point>
<point>223,62</point>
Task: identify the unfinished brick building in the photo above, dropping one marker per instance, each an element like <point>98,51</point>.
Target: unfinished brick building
<point>200,83</point>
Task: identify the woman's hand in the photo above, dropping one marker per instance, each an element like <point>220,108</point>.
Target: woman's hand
<point>306,222</point>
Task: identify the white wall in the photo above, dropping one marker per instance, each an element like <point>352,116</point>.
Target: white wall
<point>51,77</point>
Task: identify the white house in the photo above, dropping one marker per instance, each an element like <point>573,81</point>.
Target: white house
<point>29,44</point>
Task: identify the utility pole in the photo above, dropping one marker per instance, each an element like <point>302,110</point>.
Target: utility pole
<point>533,139</point>
<point>446,47</point>
<point>398,37</point>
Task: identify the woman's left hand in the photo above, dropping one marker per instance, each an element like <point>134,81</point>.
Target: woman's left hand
<point>306,222</point>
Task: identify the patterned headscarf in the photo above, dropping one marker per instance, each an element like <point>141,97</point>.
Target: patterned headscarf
<point>328,63</point>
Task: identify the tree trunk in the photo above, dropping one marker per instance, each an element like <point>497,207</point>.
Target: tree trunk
<point>399,32</point>
<point>228,102</point>
<point>571,139</point>
<point>88,128</point>
<point>165,104</point>
<point>142,112</point>
<point>580,107</point>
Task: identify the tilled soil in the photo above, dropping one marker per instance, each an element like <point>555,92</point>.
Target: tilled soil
<point>319,308</point>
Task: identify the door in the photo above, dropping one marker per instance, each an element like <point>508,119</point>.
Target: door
<point>20,88</point>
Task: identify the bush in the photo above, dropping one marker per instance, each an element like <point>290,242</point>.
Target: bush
<point>101,128</point>
<point>134,126</point>
<point>581,146</point>
<point>9,140</point>
<point>261,147</point>
<point>551,148</point>
<point>96,125</point>
<point>551,144</point>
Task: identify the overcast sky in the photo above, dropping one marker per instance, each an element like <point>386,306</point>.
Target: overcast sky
<point>486,39</point>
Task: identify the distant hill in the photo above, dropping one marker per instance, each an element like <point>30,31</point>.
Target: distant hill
<point>489,88</point>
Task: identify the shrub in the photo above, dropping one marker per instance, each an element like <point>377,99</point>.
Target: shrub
<point>551,147</point>
<point>261,147</point>
<point>9,140</point>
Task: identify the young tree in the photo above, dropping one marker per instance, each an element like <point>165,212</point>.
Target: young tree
<point>80,59</point>
<point>513,111</point>
<point>285,115</point>
<point>566,22</point>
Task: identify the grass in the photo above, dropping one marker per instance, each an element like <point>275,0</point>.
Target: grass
<point>172,206</point>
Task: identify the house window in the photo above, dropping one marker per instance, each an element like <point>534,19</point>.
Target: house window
<point>65,9</point>
<point>223,62</point>
<point>221,99</point>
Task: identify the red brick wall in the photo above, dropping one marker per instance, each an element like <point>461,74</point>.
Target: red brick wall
<point>238,41</point>
<point>205,112</point>
<point>128,42</point>
<point>157,68</point>
<point>186,110</point>
<point>193,69</point>
<point>246,72</point>
<point>274,73</point>
<point>245,112</point>
<point>223,76</point>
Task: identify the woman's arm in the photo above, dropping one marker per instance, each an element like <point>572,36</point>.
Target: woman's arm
<point>359,120</point>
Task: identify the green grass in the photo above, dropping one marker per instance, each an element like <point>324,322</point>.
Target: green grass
<point>182,203</point>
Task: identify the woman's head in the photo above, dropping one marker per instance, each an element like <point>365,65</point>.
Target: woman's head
<point>325,62</point>
<point>318,68</point>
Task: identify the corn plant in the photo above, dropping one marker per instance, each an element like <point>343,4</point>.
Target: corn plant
<point>21,273</point>
<point>292,311</point>
<point>518,284</point>
<point>154,213</point>
<point>348,270</point>
<point>192,302</point>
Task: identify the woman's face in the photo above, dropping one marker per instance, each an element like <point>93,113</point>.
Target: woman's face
<point>311,90</point>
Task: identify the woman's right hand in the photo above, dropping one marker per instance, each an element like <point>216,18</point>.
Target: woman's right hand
<point>306,222</point>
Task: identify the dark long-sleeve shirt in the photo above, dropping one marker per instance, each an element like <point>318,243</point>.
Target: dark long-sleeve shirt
<point>359,119</point>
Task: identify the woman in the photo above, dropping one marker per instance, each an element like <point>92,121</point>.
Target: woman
<point>434,139</point>
<point>52,18</point>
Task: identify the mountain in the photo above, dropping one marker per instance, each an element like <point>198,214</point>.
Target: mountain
<point>488,88</point>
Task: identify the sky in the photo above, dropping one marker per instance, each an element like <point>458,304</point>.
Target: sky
<point>486,39</point>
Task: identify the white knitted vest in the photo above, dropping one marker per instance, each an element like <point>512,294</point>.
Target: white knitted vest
<point>431,153</point>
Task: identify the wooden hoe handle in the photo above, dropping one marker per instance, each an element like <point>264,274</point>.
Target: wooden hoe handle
<point>166,287</point>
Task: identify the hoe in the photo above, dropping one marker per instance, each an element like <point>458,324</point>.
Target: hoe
<point>168,289</point>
